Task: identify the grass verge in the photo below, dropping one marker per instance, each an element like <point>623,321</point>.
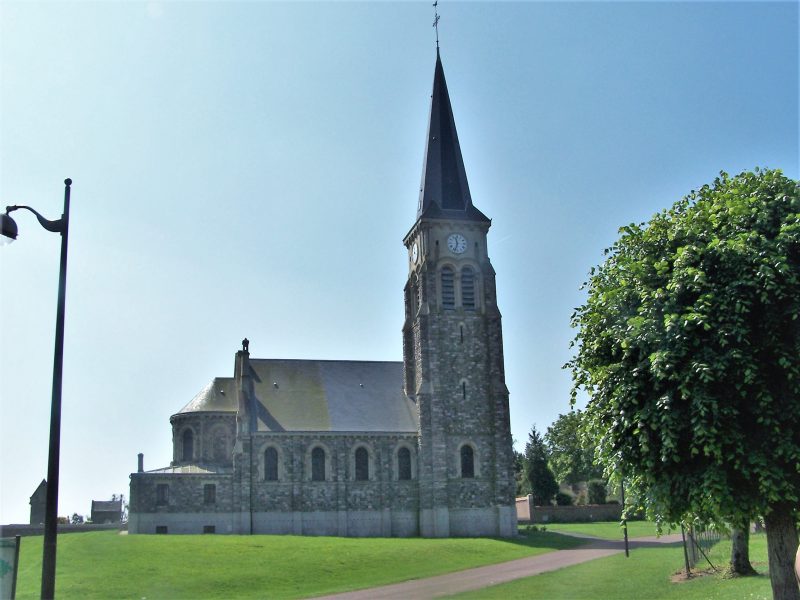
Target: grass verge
<point>609,530</point>
<point>108,565</point>
<point>648,573</point>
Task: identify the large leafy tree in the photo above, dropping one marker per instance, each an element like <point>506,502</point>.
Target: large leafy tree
<point>571,459</point>
<point>542,482</point>
<point>689,348</point>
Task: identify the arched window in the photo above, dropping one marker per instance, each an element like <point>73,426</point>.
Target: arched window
<point>468,288</point>
<point>362,464</point>
<point>448,288</point>
<point>188,444</point>
<point>404,464</point>
<point>271,464</point>
<point>318,464</point>
<point>467,461</point>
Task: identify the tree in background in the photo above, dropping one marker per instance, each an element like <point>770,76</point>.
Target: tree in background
<point>543,483</point>
<point>571,458</point>
<point>520,474</point>
<point>689,348</point>
<point>597,491</point>
<point>77,519</point>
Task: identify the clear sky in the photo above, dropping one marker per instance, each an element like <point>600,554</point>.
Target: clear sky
<point>250,169</point>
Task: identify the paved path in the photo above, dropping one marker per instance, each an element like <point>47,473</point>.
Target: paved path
<point>481,577</point>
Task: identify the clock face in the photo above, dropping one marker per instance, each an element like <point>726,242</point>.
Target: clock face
<point>457,243</point>
<point>414,252</point>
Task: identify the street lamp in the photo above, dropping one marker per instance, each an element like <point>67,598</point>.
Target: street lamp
<point>8,229</point>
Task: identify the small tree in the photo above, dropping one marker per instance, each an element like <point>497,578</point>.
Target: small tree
<point>689,347</point>
<point>571,459</point>
<point>740,552</point>
<point>520,475</point>
<point>77,519</point>
<point>543,483</point>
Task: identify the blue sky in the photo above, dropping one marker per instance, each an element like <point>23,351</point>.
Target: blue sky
<point>250,169</point>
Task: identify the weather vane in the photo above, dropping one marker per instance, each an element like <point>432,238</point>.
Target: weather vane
<point>436,21</point>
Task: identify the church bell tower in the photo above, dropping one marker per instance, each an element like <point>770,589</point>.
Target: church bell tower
<point>453,348</point>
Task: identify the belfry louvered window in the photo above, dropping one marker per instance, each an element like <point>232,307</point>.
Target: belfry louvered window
<point>468,288</point>
<point>448,288</point>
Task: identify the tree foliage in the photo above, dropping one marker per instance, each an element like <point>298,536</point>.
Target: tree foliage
<point>543,483</point>
<point>689,348</point>
<point>571,458</point>
<point>520,474</point>
<point>597,492</point>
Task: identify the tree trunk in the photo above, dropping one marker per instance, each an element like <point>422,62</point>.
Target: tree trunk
<point>781,548</point>
<point>740,551</point>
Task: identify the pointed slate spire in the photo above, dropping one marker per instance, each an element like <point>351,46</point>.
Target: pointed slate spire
<point>444,191</point>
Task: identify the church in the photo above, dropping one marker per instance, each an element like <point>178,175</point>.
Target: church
<point>420,447</point>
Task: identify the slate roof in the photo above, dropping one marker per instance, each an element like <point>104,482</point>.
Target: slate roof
<point>319,395</point>
<point>201,469</point>
<point>217,396</point>
<point>40,489</point>
<point>106,505</point>
<point>444,191</point>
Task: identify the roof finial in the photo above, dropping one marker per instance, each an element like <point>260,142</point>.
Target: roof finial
<point>436,23</point>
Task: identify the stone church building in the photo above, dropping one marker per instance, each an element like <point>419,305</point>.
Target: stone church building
<point>360,448</point>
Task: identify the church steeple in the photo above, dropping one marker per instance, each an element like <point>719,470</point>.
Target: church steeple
<point>444,191</point>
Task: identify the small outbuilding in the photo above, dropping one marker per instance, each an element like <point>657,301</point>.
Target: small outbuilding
<point>106,511</point>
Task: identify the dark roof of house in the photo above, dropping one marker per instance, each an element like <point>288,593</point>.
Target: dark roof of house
<point>319,395</point>
<point>40,489</point>
<point>444,191</point>
<point>106,505</point>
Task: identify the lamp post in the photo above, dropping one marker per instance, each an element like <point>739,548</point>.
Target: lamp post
<point>8,228</point>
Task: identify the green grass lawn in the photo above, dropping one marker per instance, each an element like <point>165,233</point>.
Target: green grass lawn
<point>108,565</point>
<point>646,574</point>
<point>609,530</point>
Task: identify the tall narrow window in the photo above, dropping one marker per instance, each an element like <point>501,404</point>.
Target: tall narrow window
<point>467,461</point>
<point>448,288</point>
<point>318,464</point>
<point>362,464</point>
<point>162,494</point>
<point>209,493</point>
<point>404,464</point>
<point>464,390</point>
<point>271,464</point>
<point>468,288</point>
<point>188,444</point>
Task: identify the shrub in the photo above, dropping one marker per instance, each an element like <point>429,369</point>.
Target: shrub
<point>563,499</point>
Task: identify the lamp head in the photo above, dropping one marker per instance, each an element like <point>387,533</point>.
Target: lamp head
<point>8,229</point>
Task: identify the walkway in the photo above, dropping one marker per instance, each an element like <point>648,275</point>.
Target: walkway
<point>481,577</point>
